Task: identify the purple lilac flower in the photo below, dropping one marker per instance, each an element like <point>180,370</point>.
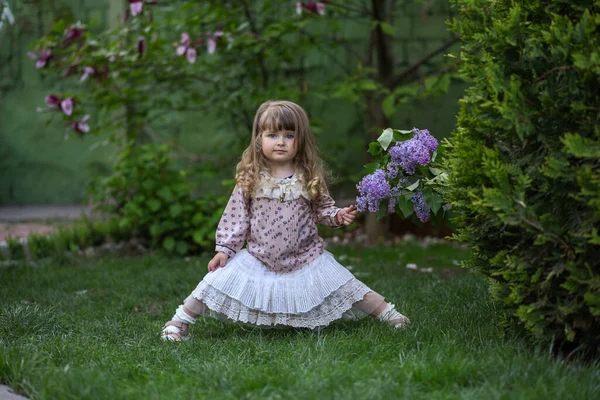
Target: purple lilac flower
<point>421,208</point>
<point>409,153</point>
<point>395,192</point>
<point>392,169</point>
<point>426,139</point>
<point>372,188</point>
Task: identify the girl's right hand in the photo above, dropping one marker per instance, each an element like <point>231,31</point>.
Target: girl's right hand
<point>218,261</point>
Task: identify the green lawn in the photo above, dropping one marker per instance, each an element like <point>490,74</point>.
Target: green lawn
<point>89,329</point>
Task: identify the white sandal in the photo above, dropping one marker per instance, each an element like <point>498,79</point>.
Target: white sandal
<point>393,317</point>
<point>175,331</point>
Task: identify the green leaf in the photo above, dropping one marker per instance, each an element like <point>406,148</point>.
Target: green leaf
<point>433,200</point>
<point>199,237</point>
<point>386,138</point>
<point>405,206</point>
<point>413,186</point>
<point>154,204</point>
<point>388,105</point>
<point>435,171</point>
<point>382,212</point>
<point>175,210</point>
<point>182,247</point>
<point>375,149</point>
<point>403,131</point>
<point>165,193</point>
<point>388,29</point>
<point>169,243</point>
<point>368,85</point>
<point>581,147</point>
<point>371,167</point>
<point>433,156</point>
<point>156,230</point>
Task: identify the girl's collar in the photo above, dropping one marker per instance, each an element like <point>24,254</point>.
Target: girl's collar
<point>283,189</point>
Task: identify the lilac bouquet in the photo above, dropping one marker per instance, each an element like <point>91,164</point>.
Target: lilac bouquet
<point>404,175</point>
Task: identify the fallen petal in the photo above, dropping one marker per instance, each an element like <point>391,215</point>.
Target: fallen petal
<point>311,6</point>
<point>185,39</point>
<point>211,45</point>
<point>83,128</point>
<point>67,106</point>
<point>321,8</point>
<point>136,8</point>
<point>191,55</point>
<point>52,101</point>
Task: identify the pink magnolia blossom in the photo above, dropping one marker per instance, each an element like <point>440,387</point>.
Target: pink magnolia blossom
<point>211,43</point>
<point>316,7</point>
<point>55,103</point>
<point>67,106</point>
<point>87,71</point>
<point>71,35</point>
<point>136,6</point>
<point>184,47</point>
<point>42,58</point>
<point>81,126</point>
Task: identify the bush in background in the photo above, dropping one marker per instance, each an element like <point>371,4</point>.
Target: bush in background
<point>148,196</point>
<point>525,157</point>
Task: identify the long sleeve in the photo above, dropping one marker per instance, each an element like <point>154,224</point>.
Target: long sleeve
<point>325,211</point>
<point>234,225</point>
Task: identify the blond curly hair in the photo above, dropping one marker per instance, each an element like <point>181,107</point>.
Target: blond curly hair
<point>275,116</point>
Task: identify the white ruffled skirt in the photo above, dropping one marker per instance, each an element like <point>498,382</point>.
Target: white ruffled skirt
<point>246,291</point>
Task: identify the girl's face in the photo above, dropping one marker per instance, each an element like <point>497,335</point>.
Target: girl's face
<point>279,147</point>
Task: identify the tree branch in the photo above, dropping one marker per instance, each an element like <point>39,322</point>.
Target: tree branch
<point>413,68</point>
<point>261,55</point>
<point>561,68</point>
<point>385,61</point>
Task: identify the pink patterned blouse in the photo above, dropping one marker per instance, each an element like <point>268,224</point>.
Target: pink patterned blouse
<point>278,223</point>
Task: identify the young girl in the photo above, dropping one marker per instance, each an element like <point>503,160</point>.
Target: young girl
<point>284,276</point>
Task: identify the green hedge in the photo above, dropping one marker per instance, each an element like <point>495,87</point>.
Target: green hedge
<point>524,162</point>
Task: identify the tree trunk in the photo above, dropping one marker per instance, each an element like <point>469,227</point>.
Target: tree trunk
<point>376,120</point>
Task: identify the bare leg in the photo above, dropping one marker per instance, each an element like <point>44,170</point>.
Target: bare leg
<point>177,328</point>
<point>374,305</point>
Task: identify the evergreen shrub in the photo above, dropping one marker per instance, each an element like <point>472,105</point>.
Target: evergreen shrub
<point>524,161</point>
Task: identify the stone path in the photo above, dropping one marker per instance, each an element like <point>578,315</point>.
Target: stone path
<point>6,393</point>
<point>28,213</point>
<point>20,221</point>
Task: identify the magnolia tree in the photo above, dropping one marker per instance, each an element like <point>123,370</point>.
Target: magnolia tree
<point>225,58</point>
<point>215,59</point>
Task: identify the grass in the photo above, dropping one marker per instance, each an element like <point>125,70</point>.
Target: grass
<point>89,329</point>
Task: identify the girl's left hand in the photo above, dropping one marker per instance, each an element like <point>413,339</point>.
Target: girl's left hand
<point>345,216</point>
